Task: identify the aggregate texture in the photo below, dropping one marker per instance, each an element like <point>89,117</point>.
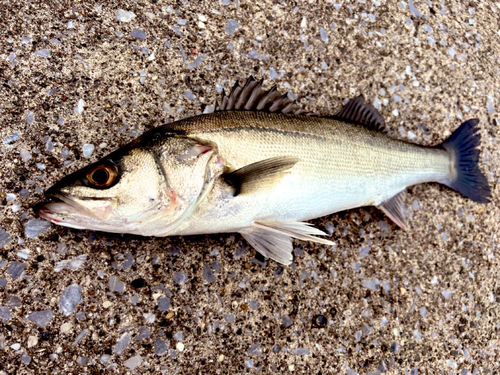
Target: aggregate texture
<point>81,78</point>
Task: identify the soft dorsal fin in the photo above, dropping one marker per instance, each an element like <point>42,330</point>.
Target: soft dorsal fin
<point>252,97</point>
<point>259,175</point>
<point>361,112</point>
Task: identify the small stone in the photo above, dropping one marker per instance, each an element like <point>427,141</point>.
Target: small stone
<point>80,106</point>
<point>70,299</point>
<point>73,264</point>
<point>34,227</point>
<point>124,16</point>
<point>161,346</point>
<point>179,346</point>
<point>24,253</point>
<point>41,318</point>
<point>179,336</point>
<point>16,346</point>
<point>150,318</point>
<point>208,275</point>
<point>105,359</point>
<point>32,341</point>
<point>301,351</point>
<point>133,362</point>
<point>447,293</point>
<point>163,304</point>
<point>82,361</point>
<point>66,328</point>
<point>180,278</point>
<point>5,238</point>
<point>139,34</point>
<point>87,150</point>
<point>323,34</point>
<point>116,285</point>
<point>320,321</point>
<point>122,343</point>
<point>286,321</point>
<point>25,359</point>
<point>16,269</point>
<point>231,27</point>
<point>372,284</point>
<point>80,337</point>
<point>229,318</point>
<point>196,63</point>
<point>144,333</point>
<point>4,314</point>
<point>25,155</point>
<point>43,53</point>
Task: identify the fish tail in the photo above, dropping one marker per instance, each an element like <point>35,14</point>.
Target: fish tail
<point>468,179</point>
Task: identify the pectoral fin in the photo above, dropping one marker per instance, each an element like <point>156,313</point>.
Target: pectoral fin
<point>273,239</point>
<point>394,208</point>
<point>259,175</point>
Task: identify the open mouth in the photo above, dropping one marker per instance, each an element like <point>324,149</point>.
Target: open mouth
<point>68,206</point>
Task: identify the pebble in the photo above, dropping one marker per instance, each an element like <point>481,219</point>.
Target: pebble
<point>80,106</point>
<point>150,318</point>
<point>180,278</point>
<point>301,351</point>
<point>25,155</point>
<point>208,275</point>
<point>163,304</point>
<point>5,238</point>
<point>41,318</point>
<point>32,341</point>
<point>82,361</point>
<point>87,150</point>
<point>122,343</point>
<point>116,285</point>
<point>179,336</point>
<point>124,16</point>
<point>30,118</point>
<point>4,314</point>
<point>133,362</point>
<point>66,327</point>
<point>179,346</point>
<point>139,34</point>
<point>43,53</point>
<point>70,299</point>
<point>16,346</point>
<point>446,293</point>
<point>323,34</point>
<point>144,333</point>
<point>161,346</point>
<point>286,320</point>
<point>25,359</point>
<point>229,318</point>
<point>73,264</point>
<point>231,27</point>
<point>35,227</point>
<point>372,284</point>
<point>16,269</point>
<point>80,336</point>
<point>196,63</point>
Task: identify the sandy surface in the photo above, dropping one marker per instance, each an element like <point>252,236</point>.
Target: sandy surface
<point>424,301</point>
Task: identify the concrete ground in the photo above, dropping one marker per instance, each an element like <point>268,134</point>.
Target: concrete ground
<point>76,83</point>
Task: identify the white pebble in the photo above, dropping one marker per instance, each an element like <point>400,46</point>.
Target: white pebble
<point>124,16</point>
<point>79,106</point>
<point>88,149</point>
<point>16,346</point>
<point>179,346</point>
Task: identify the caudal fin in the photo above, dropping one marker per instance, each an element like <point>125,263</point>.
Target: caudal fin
<point>469,180</point>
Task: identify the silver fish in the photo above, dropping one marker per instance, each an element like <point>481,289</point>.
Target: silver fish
<point>260,166</point>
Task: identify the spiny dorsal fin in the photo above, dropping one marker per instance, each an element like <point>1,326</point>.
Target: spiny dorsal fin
<point>252,97</point>
<point>394,208</point>
<point>360,112</point>
<point>261,174</point>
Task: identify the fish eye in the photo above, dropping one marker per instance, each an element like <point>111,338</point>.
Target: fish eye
<point>102,176</point>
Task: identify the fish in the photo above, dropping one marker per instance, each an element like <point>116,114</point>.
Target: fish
<point>262,166</point>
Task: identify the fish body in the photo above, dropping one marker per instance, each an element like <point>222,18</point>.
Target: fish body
<point>262,167</point>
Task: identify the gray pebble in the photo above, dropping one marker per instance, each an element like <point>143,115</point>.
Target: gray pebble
<point>133,362</point>
<point>208,275</point>
<point>80,337</point>
<point>116,285</point>
<point>34,227</point>
<point>13,302</point>
<point>3,282</point>
<point>180,278</point>
<point>301,351</point>
<point>286,320</point>
<point>144,333</point>
<point>163,304</point>
<point>179,336</point>
<point>139,34</point>
<point>229,318</point>
<point>70,299</point>
<point>16,269</point>
<point>161,346</point>
<point>231,27</point>
<point>87,150</point>
<point>82,361</point>
<point>196,63</point>
<point>41,318</point>
<point>25,359</point>
<point>372,284</point>
<point>122,343</point>
<point>43,53</point>
<point>4,314</point>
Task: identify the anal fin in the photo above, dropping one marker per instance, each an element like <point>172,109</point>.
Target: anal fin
<point>394,208</point>
<point>273,239</point>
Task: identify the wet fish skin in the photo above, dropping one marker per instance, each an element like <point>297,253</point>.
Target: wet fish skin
<point>261,173</point>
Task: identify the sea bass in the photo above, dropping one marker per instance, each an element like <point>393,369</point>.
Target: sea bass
<point>260,166</point>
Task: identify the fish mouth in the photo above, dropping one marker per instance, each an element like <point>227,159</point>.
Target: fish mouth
<point>63,206</point>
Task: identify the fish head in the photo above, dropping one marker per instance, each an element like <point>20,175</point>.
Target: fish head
<point>146,189</point>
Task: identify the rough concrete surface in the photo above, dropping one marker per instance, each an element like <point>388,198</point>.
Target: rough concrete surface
<point>425,301</point>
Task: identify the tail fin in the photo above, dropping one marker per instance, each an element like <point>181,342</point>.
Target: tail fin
<point>469,180</point>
